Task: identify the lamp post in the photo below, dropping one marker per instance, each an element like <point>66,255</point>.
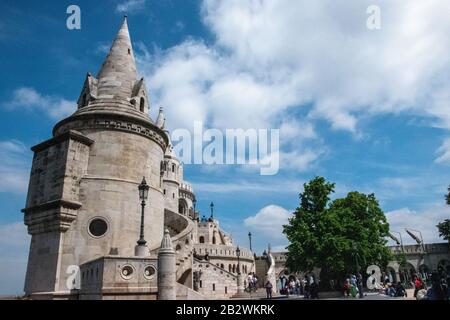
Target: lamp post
<point>143,195</point>
<point>419,242</point>
<point>212,210</point>
<point>194,202</point>
<point>250,239</point>
<point>399,243</point>
<point>240,285</point>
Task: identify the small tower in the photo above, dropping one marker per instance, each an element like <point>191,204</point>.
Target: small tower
<point>166,269</point>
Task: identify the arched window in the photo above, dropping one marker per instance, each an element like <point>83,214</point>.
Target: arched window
<point>229,268</point>
<point>173,167</point>
<point>234,268</point>
<point>142,105</point>
<point>214,240</point>
<point>222,266</point>
<point>201,239</point>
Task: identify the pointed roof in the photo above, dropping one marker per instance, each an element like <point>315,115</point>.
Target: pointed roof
<point>166,243</point>
<point>161,120</point>
<point>117,75</point>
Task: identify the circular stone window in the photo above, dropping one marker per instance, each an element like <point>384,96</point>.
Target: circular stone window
<point>149,272</point>
<point>98,227</point>
<point>127,272</point>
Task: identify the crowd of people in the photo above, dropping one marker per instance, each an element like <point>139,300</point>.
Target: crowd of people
<point>438,287</point>
<point>434,286</point>
<point>307,286</point>
<point>353,286</point>
<point>251,282</point>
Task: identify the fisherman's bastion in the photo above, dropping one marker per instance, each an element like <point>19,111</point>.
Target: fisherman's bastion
<point>111,216</point>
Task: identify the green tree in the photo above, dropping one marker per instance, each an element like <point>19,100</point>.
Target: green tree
<point>444,229</point>
<point>444,226</point>
<point>447,197</point>
<point>336,236</point>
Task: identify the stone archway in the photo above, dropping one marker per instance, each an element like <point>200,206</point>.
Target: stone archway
<point>424,272</point>
<point>182,207</point>
<point>392,275</point>
<point>186,278</point>
<point>407,272</point>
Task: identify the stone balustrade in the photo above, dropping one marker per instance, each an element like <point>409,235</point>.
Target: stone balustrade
<point>223,251</point>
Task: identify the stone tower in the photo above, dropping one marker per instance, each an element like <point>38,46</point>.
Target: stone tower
<point>83,201</point>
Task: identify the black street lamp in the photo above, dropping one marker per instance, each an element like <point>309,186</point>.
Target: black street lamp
<point>238,254</point>
<point>250,239</point>
<point>212,210</point>
<point>194,202</point>
<point>143,195</point>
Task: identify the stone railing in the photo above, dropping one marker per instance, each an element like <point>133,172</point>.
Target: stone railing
<point>416,248</point>
<point>223,251</point>
<point>184,186</point>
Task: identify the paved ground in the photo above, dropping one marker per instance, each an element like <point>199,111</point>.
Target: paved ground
<point>367,296</point>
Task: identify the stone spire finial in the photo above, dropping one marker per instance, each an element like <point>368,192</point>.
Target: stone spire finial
<point>166,269</point>
<point>166,243</point>
<point>161,120</point>
<point>118,75</point>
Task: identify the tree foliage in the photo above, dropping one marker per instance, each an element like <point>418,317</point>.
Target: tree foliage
<point>444,229</point>
<point>336,235</point>
<point>444,226</point>
<point>447,197</point>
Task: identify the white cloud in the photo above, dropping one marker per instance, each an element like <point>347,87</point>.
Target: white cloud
<point>29,99</point>
<point>249,187</point>
<point>272,55</point>
<point>444,152</point>
<point>14,166</point>
<point>268,223</point>
<point>424,220</point>
<point>14,242</point>
<point>14,235</point>
<point>130,6</point>
<point>300,160</point>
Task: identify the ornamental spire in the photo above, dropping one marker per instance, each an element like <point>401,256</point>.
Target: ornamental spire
<point>117,75</point>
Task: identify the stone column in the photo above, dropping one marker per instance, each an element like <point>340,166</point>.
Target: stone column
<point>166,269</point>
<point>240,283</point>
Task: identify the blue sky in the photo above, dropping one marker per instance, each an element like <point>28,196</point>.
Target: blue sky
<point>367,109</point>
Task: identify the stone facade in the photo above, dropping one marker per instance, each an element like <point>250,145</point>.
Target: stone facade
<point>83,208</point>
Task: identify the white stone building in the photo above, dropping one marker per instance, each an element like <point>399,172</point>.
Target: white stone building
<point>83,208</point>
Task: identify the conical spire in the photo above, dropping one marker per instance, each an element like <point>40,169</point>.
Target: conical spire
<point>166,243</point>
<point>117,75</point>
<point>161,120</point>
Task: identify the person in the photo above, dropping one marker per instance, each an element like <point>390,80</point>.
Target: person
<point>282,283</point>
<point>346,288</point>
<point>297,286</point>
<point>292,286</point>
<point>255,282</point>
<point>286,289</point>
<point>417,285</point>
<point>269,289</point>
<point>314,289</point>
<point>250,281</point>
<point>359,283</point>
<point>401,291</point>
<point>307,288</point>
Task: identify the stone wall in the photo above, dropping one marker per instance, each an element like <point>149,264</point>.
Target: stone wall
<point>215,282</point>
<point>119,278</point>
<point>225,257</point>
<point>52,205</point>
